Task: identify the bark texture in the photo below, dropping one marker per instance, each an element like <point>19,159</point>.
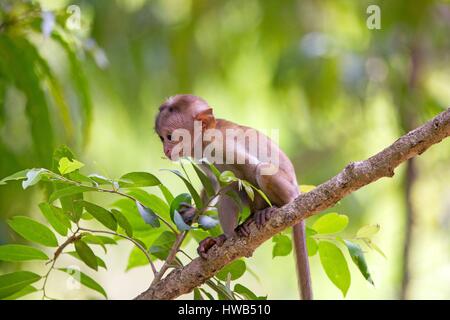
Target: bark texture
<point>351,178</point>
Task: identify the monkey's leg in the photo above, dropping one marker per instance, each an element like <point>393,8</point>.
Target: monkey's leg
<point>228,217</point>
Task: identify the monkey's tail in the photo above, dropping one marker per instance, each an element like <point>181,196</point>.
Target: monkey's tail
<point>301,257</point>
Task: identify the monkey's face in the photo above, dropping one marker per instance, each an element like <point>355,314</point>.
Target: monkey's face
<point>178,112</point>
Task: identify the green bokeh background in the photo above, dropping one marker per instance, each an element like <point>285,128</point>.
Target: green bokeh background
<point>337,91</point>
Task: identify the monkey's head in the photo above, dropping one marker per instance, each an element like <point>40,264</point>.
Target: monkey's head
<point>181,112</point>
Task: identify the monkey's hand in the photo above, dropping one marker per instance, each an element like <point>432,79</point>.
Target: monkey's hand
<point>259,218</point>
<point>207,243</point>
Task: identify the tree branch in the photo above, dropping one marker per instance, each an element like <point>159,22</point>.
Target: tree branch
<point>354,176</point>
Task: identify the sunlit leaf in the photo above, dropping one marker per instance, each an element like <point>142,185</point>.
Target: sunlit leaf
<point>55,216</point>
<point>33,231</point>
<point>311,245</point>
<point>282,246</point>
<point>21,293</point>
<point>373,246</point>
<point>335,265</point>
<point>330,223</point>
<point>368,231</point>
<point>18,252</point>
<point>227,177</point>
<point>236,269</point>
<point>167,194</point>
<point>67,166</point>
<point>138,179</point>
<point>11,283</point>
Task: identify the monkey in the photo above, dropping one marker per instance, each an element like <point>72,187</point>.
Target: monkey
<point>181,112</point>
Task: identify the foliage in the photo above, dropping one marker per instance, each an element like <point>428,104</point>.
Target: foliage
<point>157,227</point>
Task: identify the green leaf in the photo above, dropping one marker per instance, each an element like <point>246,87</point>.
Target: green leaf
<point>177,201</point>
<point>33,231</point>
<point>236,269</point>
<point>69,191</point>
<point>311,245</point>
<point>93,239</point>
<point>18,252</point>
<point>55,217</point>
<point>21,293</point>
<point>368,231</point>
<point>227,177</point>
<point>206,182</point>
<point>358,258</point>
<point>162,245</point>
<point>103,239</point>
<point>67,166</point>
<point>123,222</point>
<point>197,294</point>
<point>335,265</point>
<point>11,283</point>
<point>373,246</point>
<point>206,293</point>
<point>101,214</point>
<point>246,292</point>
<point>151,201</point>
<point>282,247</point>
<point>100,262</point>
<point>263,195</point>
<point>248,190</point>
<point>33,177</point>
<point>138,179</point>
<point>167,194</point>
<point>179,222</point>
<point>206,222</point>
<point>330,223</point>
<point>148,215</point>
<point>99,179</point>
<point>136,259</point>
<point>16,176</point>
<point>86,254</point>
<point>197,200</point>
<point>85,280</point>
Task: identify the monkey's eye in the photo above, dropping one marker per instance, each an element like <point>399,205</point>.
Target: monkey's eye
<point>169,137</point>
<point>161,138</point>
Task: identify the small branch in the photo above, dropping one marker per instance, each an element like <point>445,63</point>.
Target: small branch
<point>173,252</point>
<point>351,178</point>
<point>137,244</point>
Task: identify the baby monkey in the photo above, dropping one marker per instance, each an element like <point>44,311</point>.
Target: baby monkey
<point>280,186</point>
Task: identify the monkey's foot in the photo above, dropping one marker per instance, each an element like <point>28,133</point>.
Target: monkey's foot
<point>207,243</point>
<point>263,215</point>
<point>260,218</point>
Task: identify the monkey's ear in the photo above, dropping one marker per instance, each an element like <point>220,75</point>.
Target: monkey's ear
<point>207,119</point>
